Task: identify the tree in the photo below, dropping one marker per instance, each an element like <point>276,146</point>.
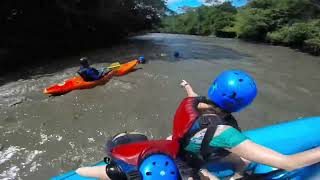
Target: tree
<point>73,21</point>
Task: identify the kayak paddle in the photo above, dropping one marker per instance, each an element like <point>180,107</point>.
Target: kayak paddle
<point>115,65</point>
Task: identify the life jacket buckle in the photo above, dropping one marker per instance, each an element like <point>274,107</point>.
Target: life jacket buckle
<point>107,160</point>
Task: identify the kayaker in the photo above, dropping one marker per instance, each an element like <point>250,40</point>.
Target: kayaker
<point>207,131</point>
<point>89,73</point>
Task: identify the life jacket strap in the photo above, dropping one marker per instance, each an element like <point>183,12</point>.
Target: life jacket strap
<point>208,152</point>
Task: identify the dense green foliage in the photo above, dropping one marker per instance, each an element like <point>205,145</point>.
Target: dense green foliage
<point>293,23</point>
<point>34,30</point>
<point>74,22</point>
<point>201,21</point>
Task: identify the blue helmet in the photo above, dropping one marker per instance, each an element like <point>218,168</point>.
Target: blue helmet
<point>233,90</point>
<point>142,60</point>
<point>159,167</point>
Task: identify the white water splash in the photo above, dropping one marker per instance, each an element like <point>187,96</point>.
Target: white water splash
<point>8,153</point>
<point>34,166</point>
<point>10,174</point>
<point>32,155</point>
<point>45,138</point>
<point>91,140</point>
<point>26,159</point>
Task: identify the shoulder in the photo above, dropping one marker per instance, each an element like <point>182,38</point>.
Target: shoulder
<point>203,102</point>
<point>228,137</point>
<point>228,132</point>
<point>221,129</point>
<point>202,105</point>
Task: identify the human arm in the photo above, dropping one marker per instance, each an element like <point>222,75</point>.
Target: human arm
<point>260,154</point>
<point>188,89</point>
<point>93,172</point>
<point>191,93</point>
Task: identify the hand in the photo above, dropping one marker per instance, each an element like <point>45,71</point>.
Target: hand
<point>206,175</point>
<point>184,83</point>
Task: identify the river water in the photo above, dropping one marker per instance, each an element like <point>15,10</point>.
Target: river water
<point>42,136</point>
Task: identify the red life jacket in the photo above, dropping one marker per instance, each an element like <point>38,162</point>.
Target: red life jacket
<point>187,115</point>
<point>134,153</point>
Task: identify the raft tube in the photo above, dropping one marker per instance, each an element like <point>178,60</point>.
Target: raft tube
<point>287,138</point>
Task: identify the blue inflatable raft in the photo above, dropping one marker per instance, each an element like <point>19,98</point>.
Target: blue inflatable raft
<point>287,138</point>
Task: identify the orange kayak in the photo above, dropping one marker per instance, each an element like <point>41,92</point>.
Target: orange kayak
<point>78,83</point>
<point>126,68</point>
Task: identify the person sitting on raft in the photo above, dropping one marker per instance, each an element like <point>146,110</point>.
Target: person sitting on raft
<point>155,159</point>
<point>89,73</point>
<point>206,129</point>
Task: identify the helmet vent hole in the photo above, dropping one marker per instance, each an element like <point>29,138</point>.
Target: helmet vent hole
<point>148,173</point>
<point>172,172</point>
<point>234,95</point>
<point>236,73</point>
<point>223,94</point>
<point>240,80</point>
<point>167,163</point>
<point>154,163</point>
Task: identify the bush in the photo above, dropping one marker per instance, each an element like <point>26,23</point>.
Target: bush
<point>260,18</point>
<point>295,35</point>
<point>298,33</point>
<point>293,23</point>
<point>278,37</point>
<point>201,21</point>
<point>312,45</point>
<point>251,24</point>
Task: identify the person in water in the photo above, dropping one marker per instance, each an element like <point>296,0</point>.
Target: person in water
<point>207,131</point>
<point>89,73</point>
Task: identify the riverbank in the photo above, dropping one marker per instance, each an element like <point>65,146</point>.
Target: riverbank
<point>291,23</point>
<point>35,31</point>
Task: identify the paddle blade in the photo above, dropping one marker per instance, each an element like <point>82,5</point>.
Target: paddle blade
<point>115,65</point>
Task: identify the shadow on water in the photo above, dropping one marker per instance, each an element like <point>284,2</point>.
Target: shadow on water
<point>27,63</point>
<point>35,62</point>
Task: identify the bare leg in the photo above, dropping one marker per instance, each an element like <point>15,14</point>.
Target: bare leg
<point>93,172</point>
